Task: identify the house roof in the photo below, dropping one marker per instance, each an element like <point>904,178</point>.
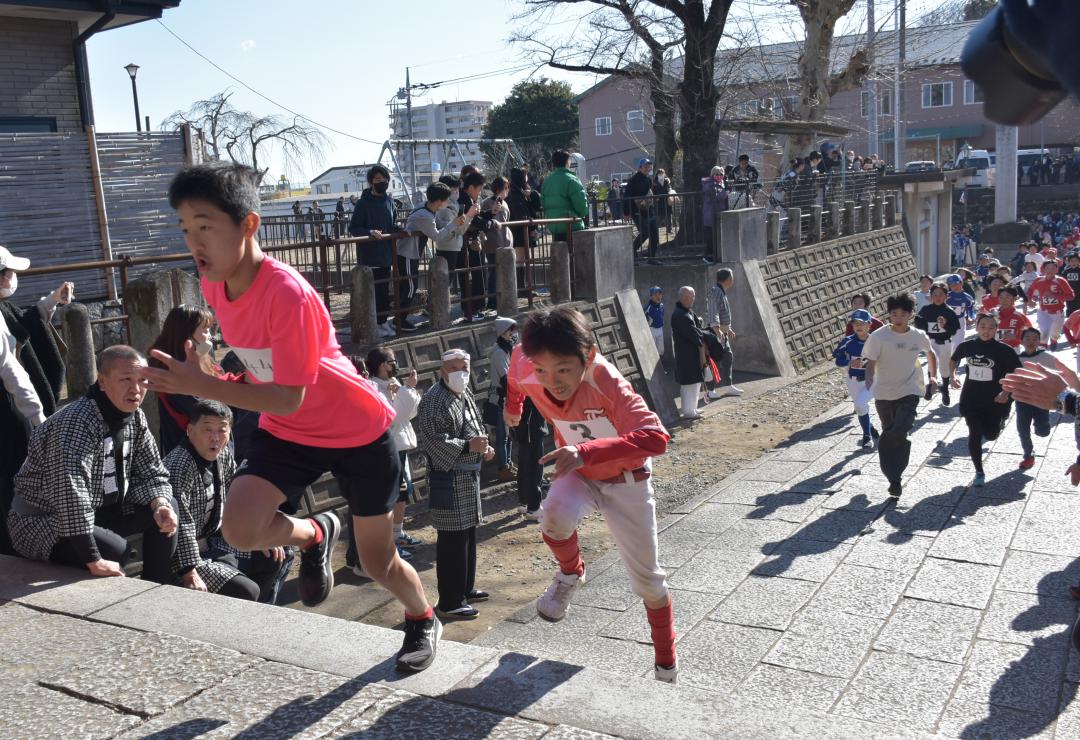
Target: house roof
<point>87,12</point>
<point>349,167</point>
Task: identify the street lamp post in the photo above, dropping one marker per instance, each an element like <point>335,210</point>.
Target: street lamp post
<point>132,70</point>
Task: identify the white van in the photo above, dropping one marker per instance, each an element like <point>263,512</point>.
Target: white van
<point>1027,157</point>
<point>981,160</point>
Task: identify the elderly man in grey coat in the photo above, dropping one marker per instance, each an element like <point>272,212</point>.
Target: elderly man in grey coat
<point>718,341</point>
<point>452,433</point>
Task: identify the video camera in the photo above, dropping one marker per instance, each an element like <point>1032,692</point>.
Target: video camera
<point>1022,55</point>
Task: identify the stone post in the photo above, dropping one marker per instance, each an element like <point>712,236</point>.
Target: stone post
<point>362,314</point>
<point>815,224</point>
<point>794,228</point>
<point>80,364</point>
<point>890,210</point>
<point>439,292</point>
<point>879,214</point>
<point>772,231</point>
<point>506,288</point>
<point>849,217</point>
<point>834,219</point>
<point>862,218</point>
<point>560,272</point>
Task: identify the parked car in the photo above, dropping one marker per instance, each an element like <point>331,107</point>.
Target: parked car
<point>922,165</point>
<point>983,163</point>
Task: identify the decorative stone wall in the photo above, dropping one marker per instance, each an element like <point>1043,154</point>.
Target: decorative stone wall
<point>811,287</point>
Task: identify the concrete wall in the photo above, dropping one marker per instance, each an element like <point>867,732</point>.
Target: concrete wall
<point>603,262</point>
<point>37,71</point>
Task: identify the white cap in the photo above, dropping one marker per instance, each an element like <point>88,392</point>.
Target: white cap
<point>455,354</point>
<point>8,261</point>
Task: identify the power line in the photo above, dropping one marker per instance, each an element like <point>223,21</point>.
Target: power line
<point>268,99</point>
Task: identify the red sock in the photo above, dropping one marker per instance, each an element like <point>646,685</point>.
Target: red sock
<point>319,535</point>
<point>662,624</point>
<point>567,553</point>
<point>426,615</point>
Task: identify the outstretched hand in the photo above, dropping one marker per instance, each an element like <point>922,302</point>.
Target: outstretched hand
<point>184,377</point>
<point>566,459</point>
<point>1036,385</point>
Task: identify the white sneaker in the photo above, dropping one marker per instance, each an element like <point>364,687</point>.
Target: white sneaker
<point>713,395</point>
<point>730,390</point>
<point>532,516</point>
<point>666,674</point>
<point>553,604</point>
<point>695,415</point>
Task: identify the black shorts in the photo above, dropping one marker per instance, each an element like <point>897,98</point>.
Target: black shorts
<point>368,476</point>
<point>987,418</point>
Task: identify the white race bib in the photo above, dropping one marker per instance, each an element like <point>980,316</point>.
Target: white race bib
<point>935,328</point>
<point>258,362</point>
<point>576,432</point>
<point>980,372</point>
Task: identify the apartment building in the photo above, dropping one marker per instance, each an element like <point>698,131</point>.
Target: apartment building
<point>462,119</point>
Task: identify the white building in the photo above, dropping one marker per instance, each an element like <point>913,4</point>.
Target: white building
<point>462,119</point>
<point>347,179</point>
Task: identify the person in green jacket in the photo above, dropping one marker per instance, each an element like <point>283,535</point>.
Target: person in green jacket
<point>563,195</point>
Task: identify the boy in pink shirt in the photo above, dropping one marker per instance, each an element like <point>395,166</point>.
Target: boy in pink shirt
<point>317,414</point>
<point>605,436</point>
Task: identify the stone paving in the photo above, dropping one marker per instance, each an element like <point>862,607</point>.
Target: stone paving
<point>797,582</point>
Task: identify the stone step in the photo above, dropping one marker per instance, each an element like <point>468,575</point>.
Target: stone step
<point>569,698</point>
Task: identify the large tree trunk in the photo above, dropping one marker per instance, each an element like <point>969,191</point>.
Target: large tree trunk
<point>698,97</point>
<point>663,117</point>
<point>813,71</point>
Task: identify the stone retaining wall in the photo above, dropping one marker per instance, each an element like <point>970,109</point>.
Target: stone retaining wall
<point>811,287</point>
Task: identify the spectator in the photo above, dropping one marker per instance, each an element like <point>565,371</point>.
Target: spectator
<point>374,218</point>
<point>452,434</point>
<point>744,183</point>
<point>473,284</point>
<point>524,204</point>
<point>298,221</point>
<point>315,217</point>
<point>451,226</point>
<point>662,190</point>
<point>411,249</point>
<point>31,373</point>
<point>339,209</point>
<point>643,208</point>
<point>714,200</point>
<point>689,344</point>
<point>718,312</point>
<point>93,476</point>
<point>563,196</point>
<point>614,200</point>
<point>498,364</point>
<point>496,236</point>
<point>654,312</point>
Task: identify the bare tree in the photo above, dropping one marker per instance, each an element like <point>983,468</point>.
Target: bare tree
<point>248,138</point>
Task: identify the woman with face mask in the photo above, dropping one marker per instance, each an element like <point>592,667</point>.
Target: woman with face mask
<point>31,371</point>
<point>187,325</point>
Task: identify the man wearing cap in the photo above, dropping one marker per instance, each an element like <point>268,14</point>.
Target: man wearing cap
<point>31,372</point>
<point>643,207</point>
<point>451,432</point>
<point>654,314</point>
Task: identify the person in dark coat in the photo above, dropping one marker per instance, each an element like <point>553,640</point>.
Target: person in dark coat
<point>530,433</point>
<point>689,345</point>
<point>524,204</point>
<point>374,217</point>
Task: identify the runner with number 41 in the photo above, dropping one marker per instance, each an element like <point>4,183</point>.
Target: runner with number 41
<point>605,437</point>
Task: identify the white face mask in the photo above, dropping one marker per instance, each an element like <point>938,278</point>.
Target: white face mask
<point>458,381</point>
<point>203,348</point>
<point>13,284</point>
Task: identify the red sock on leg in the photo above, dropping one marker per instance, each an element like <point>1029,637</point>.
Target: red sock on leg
<point>662,625</point>
<point>420,618</point>
<point>568,553</point>
<point>319,535</point>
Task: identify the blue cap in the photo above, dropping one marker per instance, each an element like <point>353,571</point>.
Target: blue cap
<point>655,289</point>
<point>643,161</point>
<point>861,314</point>
<point>954,279</point>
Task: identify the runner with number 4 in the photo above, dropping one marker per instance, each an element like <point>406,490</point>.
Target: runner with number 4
<point>605,435</point>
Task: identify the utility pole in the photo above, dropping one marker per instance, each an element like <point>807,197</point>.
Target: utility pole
<point>898,108</point>
<point>412,146</point>
<point>871,84</point>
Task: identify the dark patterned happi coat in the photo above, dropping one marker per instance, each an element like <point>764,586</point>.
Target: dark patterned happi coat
<point>445,424</point>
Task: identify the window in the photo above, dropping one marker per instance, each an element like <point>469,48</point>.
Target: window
<point>322,189</point>
<point>884,103</point>
<point>27,125</point>
<point>937,95</point>
<point>603,126</point>
<point>972,93</point>
<point>635,121</point>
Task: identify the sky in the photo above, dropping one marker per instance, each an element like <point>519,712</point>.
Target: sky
<point>337,63</point>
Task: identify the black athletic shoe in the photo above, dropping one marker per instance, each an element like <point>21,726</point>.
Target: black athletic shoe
<point>418,649</point>
<point>478,595</point>
<point>462,613</point>
<point>895,490</point>
<point>945,401</point>
<point>316,573</point>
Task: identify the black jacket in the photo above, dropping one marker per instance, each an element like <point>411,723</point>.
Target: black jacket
<point>928,316</point>
<point>640,186</point>
<point>688,339</point>
<point>373,212</point>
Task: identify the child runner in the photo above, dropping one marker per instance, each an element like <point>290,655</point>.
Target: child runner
<point>963,305</point>
<point>862,301</point>
<point>941,325</point>
<point>1072,333</point>
<point>1026,414</point>
<point>990,299</point>
<point>1071,273</point>
<point>1011,323</point>
<point>605,436</point>
<point>922,295</point>
<point>983,404</point>
<point>894,375</point>
<point>654,311</point>
<point>317,413</point>
<point>1051,292</point>
<point>849,354</point>
<point>1024,280</point>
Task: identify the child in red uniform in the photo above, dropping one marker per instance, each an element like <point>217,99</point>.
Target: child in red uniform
<point>317,413</point>
<point>605,437</point>
<point>1051,292</point>
<point>1011,323</point>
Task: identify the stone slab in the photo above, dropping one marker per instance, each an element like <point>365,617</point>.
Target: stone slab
<point>894,551</point>
<point>965,719</point>
<point>331,645</point>
<point>712,519</point>
<point>714,571</point>
<point>716,656</point>
<point>679,544</point>
<point>565,732</point>
<point>1068,720</point>
<point>1016,676</point>
<point>787,506</point>
<point>770,603</point>
<point>925,629</point>
<point>150,673</point>
<point>827,643</point>
<point>862,591</point>
<point>268,700</point>
<point>615,655</point>
<point>899,690</point>
<point>925,519</point>
<point>64,590</point>
<point>35,647</point>
<point>769,686</point>
<point>1028,620</point>
<point>807,560</point>
<point>952,582</point>
<point>610,590</point>
<point>776,471</point>
<point>837,525</point>
<point>1035,573</point>
<point>559,639</point>
<point>690,607</point>
<point>756,535</point>
<point>30,711</point>
<point>748,493</point>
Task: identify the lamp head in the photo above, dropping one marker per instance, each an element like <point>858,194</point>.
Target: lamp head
<point>132,69</point>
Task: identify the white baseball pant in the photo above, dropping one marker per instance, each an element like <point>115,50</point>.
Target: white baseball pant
<point>943,353</point>
<point>658,339</point>
<point>630,513</point>
<point>861,396</point>
<point>1050,325</point>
